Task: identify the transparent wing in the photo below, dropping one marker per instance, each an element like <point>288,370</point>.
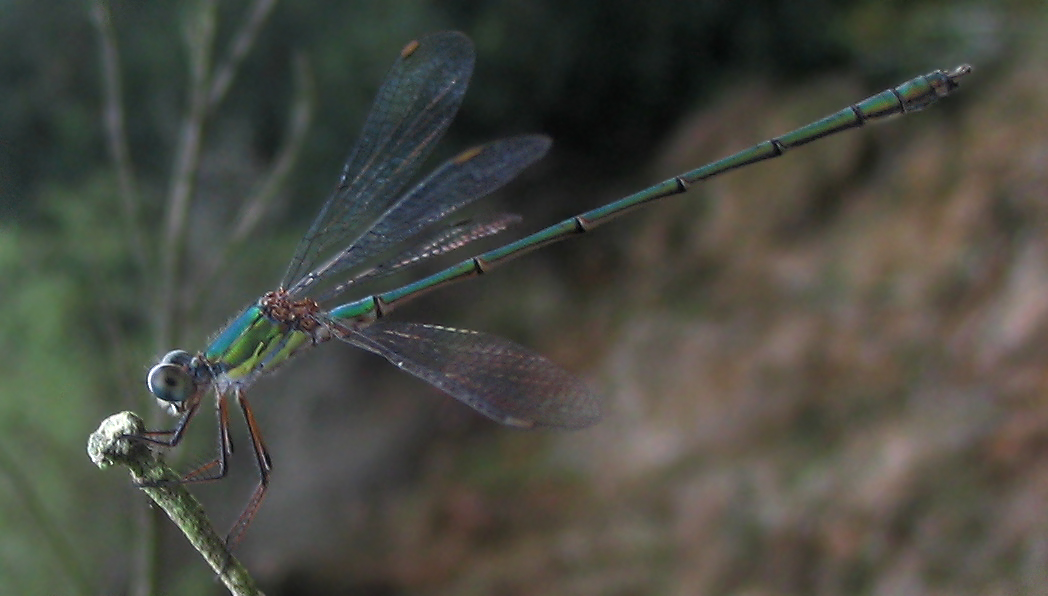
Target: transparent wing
<point>413,109</point>
<point>500,379</point>
<point>460,181</point>
<point>443,241</point>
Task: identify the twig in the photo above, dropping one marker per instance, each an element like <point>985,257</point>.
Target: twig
<point>301,114</point>
<point>241,47</point>
<point>209,83</point>
<point>114,120</point>
<point>200,34</point>
<point>261,199</point>
<point>110,446</point>
<point>116,134</point>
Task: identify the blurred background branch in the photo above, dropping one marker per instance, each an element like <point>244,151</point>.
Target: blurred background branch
<point>116,132</point>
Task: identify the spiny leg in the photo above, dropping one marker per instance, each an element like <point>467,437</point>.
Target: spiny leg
<point>205,472</point>
<point>265,465</point>
<point>212,470</point>
<point>168,438</point>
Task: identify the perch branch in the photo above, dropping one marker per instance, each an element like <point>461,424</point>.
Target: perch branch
<point>109,445</point>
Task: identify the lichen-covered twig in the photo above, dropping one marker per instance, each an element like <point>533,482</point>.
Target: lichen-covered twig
<point>110,445</point>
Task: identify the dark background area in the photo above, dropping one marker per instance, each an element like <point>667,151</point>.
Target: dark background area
<point>822,375</point>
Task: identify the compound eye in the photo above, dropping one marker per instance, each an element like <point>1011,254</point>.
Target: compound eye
<point>180,357</point>
<point>170,382</point>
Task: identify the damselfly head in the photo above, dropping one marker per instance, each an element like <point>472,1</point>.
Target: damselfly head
<point>172,382</point>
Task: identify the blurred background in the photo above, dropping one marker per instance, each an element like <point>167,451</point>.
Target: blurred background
<point>823,375</point>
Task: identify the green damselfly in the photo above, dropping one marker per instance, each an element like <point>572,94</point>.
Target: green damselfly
<point>370,228</point>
